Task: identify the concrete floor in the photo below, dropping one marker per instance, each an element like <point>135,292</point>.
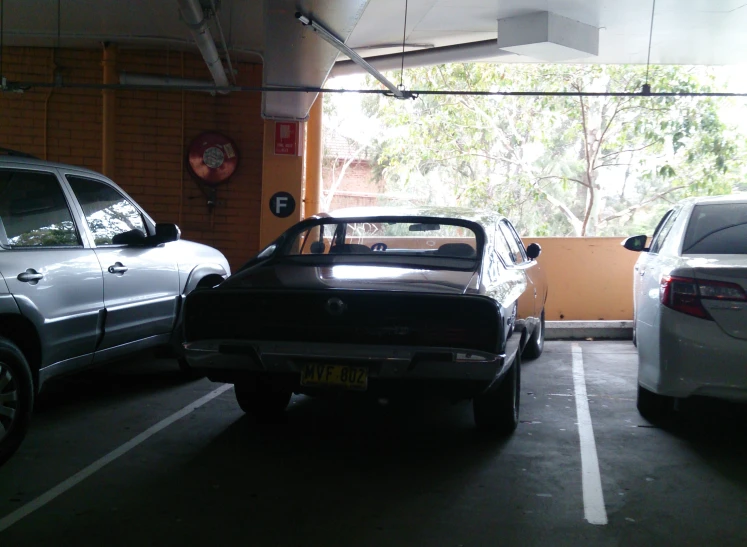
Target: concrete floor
<point>366,474</point>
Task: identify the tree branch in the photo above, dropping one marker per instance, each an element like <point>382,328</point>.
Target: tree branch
<point>582,183</point>
<point>338,180</point>
<point>645,202</point>
<point>572,219</point>
<point>649,145</point>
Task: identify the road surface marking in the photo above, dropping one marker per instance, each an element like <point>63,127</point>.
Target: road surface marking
<point>591,479</point>
<point>24,511</point>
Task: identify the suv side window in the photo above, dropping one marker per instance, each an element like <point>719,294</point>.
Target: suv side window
<point>514,243</point>
<point>662,231</point>
<point>108,213</point>
<point>34,211</point>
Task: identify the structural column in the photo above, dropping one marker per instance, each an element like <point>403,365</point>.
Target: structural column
<point>314,189</point>
<point>282,178</point>
<point>109,107</point>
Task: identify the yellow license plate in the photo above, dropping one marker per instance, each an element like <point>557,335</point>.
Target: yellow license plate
<point>344,376</point>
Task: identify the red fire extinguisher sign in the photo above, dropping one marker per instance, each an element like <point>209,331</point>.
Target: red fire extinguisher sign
<point>286,139</point>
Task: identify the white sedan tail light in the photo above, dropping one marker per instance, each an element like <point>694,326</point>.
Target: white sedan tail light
<point>685,294</point>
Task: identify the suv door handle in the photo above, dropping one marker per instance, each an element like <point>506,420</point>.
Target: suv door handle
<point>117,268</point>
<point>30,276</point>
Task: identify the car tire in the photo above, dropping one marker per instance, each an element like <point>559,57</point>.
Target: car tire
<point>186,369</point>
<point>16,398</point>
<point>497,411</point>
<point>652,406</point>
<point>261,399</point>
<point>536,343</point>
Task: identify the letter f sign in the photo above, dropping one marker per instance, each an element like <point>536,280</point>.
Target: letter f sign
<point>280,204</point>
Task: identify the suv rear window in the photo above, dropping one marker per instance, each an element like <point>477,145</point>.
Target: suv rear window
<point>717,229</point>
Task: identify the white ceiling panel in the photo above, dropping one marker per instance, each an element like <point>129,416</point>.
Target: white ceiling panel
<point>710,32</point>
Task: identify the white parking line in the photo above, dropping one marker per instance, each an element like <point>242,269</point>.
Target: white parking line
<point>24,511</point>
<point>591,479</point>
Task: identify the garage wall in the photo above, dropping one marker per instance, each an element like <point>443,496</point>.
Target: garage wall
<point>153,130</point>
<point>588,278</point>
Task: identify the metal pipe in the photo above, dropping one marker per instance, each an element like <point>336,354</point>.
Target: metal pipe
<point>645,91</point>
<point>194,17</point>
<point>338,44</point>
<point>459,53</point>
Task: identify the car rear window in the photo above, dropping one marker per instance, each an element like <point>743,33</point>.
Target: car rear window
<point>352,237</point>
<point>719,228</point>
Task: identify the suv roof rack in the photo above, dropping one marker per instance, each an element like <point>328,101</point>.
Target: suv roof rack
<point>16,153</point>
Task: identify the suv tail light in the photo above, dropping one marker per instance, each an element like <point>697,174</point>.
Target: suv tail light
<point>685,294</point>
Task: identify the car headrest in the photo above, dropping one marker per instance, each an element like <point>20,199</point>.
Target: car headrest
<point>348,248</point>
<point>461,250</point>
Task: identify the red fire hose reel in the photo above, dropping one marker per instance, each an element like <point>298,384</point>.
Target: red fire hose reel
<point>212,158</point>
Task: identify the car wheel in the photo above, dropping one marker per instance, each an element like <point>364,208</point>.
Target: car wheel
<point>16,398</point>
<point>261,399</point>
<point>635,337</point>
<point>186,369</point>
<point>536,343</point>
<point>652,406</point>
<point>497,411</point>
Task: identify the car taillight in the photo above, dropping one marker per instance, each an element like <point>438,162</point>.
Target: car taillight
<point>685,294</point>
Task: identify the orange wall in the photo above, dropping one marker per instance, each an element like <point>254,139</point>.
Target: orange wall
<point>588,278</point>
<point>153,129</point>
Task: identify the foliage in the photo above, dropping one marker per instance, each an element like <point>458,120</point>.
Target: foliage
<point>557,165</point>
<point>61,234</point>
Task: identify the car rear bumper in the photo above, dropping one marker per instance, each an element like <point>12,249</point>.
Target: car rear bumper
<point>698,358</point>
<point>233,358</point>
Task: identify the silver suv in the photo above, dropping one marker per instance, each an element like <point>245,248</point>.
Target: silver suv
<point>85,276</point>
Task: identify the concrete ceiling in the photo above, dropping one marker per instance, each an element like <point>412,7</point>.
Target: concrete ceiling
<point>709,32</point>
<point>700,32</point>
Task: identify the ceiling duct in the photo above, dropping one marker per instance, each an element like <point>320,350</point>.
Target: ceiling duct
<point>167,82</point>
<point>545,36</point>
<point>460,53</point>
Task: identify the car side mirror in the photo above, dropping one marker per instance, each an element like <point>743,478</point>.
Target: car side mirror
<point>134,238</point>
<point>533,251</point>
<point>636,244</point>
<point>166,233</point>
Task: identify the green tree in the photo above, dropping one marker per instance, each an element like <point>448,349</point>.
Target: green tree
<point>558,165</point>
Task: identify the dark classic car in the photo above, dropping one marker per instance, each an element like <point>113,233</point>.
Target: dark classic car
<point>384,301</point>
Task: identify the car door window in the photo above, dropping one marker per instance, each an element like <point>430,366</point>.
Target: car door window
<point>108,213</point>
<point>514,242</point>
<point>34,211</point>
<point>515,255</point>
<point>503,249</point>
<point>662,231</point>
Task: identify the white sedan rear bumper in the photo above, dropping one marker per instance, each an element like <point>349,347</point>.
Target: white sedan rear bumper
<point>696,357</point>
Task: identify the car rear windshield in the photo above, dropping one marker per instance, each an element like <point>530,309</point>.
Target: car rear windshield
<point>442,238</point>
<point>717,229</point>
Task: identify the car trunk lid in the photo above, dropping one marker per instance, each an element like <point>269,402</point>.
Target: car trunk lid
<point>724,274</point>
<point>356,277</point>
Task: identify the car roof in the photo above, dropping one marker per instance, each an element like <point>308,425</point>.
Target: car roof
<point>461,213</point>
<point>740,197</point>
<point>6,161</point>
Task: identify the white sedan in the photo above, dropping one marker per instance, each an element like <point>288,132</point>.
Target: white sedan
<point>691,305</point>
